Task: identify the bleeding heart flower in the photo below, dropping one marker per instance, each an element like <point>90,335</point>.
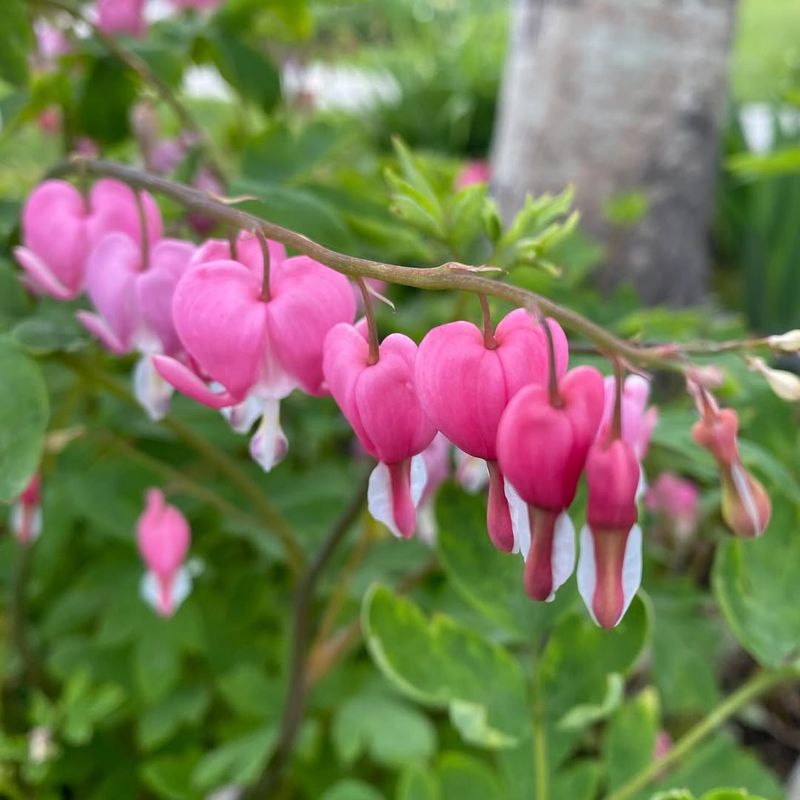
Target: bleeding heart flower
<point>610,563</point>
<point>249,345</point>
<point>678,499</point>
<point>465,383</point>
<point>163,536</point>
<point>121,16</point>
<point>60,228</point>
<point>746,506</point>
<point>638,421</point>
<point>437,469</point>
<point>542,444</point>
<point>380,402</point>
<point>26,512</point>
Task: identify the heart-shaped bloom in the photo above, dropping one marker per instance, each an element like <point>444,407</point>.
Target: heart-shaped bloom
<point>26,512</point>
<point>163,537</point>
<point>542,448</point>
<point>380,402</point>
<point>251,346</point>
<point>464,386</point>
<point>610,563</point>
<point>60,228</point>
<point>638,421</point>
<point>746,506</point>
<point>121,17</point>
<point>134,307</point>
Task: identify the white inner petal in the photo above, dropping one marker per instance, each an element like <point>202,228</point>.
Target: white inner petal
<point>742,486</point>
<point>520,520</point>
<point>152,392</point>
<point>379,497</point>
<point>472,474</point>
<point>419,477</point>
<point>563,552</point>
<point>631,568</point>
<point>269,444</point>
<point>587,573</point>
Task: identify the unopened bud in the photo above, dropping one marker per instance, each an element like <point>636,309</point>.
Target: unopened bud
<point>788,342</point>
<point>746,507</point>
<point>785,384</point>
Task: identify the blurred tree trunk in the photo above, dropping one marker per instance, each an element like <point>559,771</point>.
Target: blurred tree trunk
<point>622,98</point>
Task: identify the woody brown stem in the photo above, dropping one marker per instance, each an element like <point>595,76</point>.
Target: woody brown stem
<point>488,329</point>
<point>372,325</point>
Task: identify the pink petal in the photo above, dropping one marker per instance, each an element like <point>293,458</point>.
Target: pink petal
<point>188,383</point>
<point>394,492</point>
<point>98,327</point>
<point>39,277</point>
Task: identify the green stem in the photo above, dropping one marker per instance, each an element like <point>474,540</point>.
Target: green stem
<point>541,766</point>
<point>450,275</point>
<point>758,684</point>
<point>270,516</point>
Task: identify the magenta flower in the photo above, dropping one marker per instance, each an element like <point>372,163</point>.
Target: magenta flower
<point>477,171</point>
<point>380,402</point>
<point>26,512</point>
<point>163,537</point>
<point>465,384</point>
<point>133,300</point>
<point>542,444</point>
<point>610,563</point>
<point>121,17</point>
<point>678,499</point>
<point>252,347</point>
<point>60,228</point>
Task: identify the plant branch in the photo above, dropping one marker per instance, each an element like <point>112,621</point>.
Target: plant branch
<point>450,275</point>
<point>294,703</point>
<point>272,519</point>
<point>757,685</point>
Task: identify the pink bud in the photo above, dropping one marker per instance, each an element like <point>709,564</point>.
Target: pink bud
<point>542,450</point>
<point>60,228</point>
<point>746,506</point>
<point>50,41</point>
<point>205,181</point>
<point>381,404</point>
<point>473,172</point>
<point>464,387</point>
<point>610,564</point>
<point>163,536</point>
<point>638,421</point>
<point>26,512</point>
<point>121,16</point>
<point>678,499</point>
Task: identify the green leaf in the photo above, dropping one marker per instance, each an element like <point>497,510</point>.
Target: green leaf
<point>351,790</point>
<point>245,68</point>
<point>630,740</point>
<point>417,783</point>
<point>487,579</point>
<point>578,781</point>
<point>249,692</point>
<point>108,93</point>
<point>581,716</point>
<point>756,591</point>
<point>157,667</point>
<point>185,706</point>
<point>169,777</point>
<point>588,655</point>
<point>84,705</point>
<point>388,730</point>
<point>16,40</point>
<point>239,760</point>
<point>53,332</point>
<point>23,419</point>
<point>442,664</point>
<point>464,778</point>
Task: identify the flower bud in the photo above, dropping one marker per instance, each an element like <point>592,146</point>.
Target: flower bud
<point>163,537</point>
<point>785,384</point>
<point>26,512</point>
<point>788,342</point>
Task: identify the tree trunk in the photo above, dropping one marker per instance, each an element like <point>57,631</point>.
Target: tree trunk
<point>620,97</point>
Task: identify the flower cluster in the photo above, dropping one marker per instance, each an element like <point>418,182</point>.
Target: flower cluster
<point>237,325</point>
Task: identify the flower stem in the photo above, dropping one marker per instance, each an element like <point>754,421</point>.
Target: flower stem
<point>262,240</point>
<point>144,231</point>
<point>372,325</point>
<point>758,684</point>
<point>541,766</point>
<point>488,328</point>
<point>619,385</point>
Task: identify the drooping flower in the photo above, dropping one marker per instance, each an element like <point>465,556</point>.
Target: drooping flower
<point>133,300</point>
<point>465,382</point>
<point>677,499</point>
<point>60,228</point>
<point>251,345</point>
<point>746,506</point>
<point>610,564</point>
<point>380,401</point>
<point>124,17</point>
<point>542,444</point>
<point>163,536</point>
<point>26,512</point>
<point>638,421</point>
